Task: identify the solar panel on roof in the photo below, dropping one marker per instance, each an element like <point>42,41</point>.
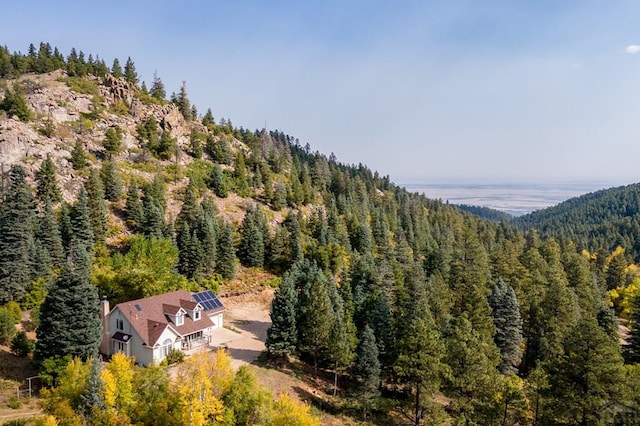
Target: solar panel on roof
<point>208,300</point>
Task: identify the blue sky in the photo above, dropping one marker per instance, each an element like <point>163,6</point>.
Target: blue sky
<point>435,91</point>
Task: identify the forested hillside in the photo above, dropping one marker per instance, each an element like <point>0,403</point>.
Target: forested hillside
<point>423,313</point>
<point>598,221</point>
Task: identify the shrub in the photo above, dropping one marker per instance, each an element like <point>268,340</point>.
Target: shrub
<point>175,356</point>
<point>7,326</point>
<point>21,345</point>
<point>15,403</point>
<point>15,311</point>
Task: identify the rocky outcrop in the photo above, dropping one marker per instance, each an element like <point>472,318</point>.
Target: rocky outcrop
<point>117,90</point>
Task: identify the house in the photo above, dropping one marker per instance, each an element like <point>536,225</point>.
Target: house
<point>151,327</point>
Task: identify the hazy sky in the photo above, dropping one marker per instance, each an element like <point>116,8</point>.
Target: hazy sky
<point>440,91</point>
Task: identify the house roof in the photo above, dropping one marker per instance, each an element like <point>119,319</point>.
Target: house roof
<point>149,318</point>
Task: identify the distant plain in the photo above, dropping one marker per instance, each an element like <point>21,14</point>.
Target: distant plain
<point>515,199</point>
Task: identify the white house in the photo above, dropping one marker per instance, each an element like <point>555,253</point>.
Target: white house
<point>149,328</point>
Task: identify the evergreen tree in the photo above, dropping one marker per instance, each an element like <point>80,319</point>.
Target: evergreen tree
<point>157,88</point>
<point>111,181</point>
<point>17,221</point>
<point>190,210</point>
<point>207,234</point>
<point>315,313</point>
<point>632,347</point>
<point>97,206</point>
<point>130,73</point>
<point>15,103</point>
<point>190,257</point>
<point>367,370</point>
<point>251,251</point>
<point>182,102</point>
<point>69,320</point>
<point>218,182</point>
<point>112,141</point>
<point>506,317</point>
<point>226,259</point>
<point>208,120</point>
<point>48,235</point>
<point>240,176</point>
<point>64,225</point>
<point>282,335</point>
<point>153,225</point>
<point>133,211</point>
<point>92,399</point>
<point>116,69</point>
<point>47,182</point>
<point>82,231</point>
<point>78,156</point>
<point>587,376</point>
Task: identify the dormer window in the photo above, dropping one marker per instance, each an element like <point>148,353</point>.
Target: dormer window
<point>179,319</point>
<point>196,315</point>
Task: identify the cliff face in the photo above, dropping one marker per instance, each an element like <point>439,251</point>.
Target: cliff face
<point>67,109</point>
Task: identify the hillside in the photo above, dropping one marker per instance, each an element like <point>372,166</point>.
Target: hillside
<point>598,221</point>
<point>400,307</point>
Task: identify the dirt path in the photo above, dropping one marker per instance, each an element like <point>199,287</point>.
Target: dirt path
<point>249,316</point>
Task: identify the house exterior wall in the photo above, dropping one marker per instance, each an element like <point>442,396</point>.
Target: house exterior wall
<point>217,319</point>
<point>158,352</point>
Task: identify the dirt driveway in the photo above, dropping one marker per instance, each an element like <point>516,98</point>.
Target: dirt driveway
<point>246,323</point>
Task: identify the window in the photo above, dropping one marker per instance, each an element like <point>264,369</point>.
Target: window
<point>196,315</point>
<point>119,324</point>
<point>167,345</point>
<point>119,346</point>
<point>180,319</point>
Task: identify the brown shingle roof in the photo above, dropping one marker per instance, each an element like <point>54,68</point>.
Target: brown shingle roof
<point>147,316</point>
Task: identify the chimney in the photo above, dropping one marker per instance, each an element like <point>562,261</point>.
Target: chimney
<point>105,343</point>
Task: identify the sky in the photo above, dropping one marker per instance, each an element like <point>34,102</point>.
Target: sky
<point>491,91</point>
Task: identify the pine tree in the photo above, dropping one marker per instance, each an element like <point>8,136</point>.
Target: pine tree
<point>367,370</point>
<point>81,228</point>
<point>315,313</point>
<point>130,73</point>
<point>153,225</point>
<point>157,88</point>
<point>207,233</point>
<point>506,317</point>
<point>96,205</point>
<point>282,335</point>
<point>190,257</point>
<point>240,176</point>
<point>112,141</point>
<point>111,180</point>
<point>189,211</point>
<point>47,182</point>
<point>208,120</point>
<point>182,102</point>
<point>17,221</point>
<point>69,320</point>
<point>64,225</point>
<point>116,69</point>
<point>586,377</point>
<point>251,251</point>
<point>133,211</point>
<point>218,182</point>
<point>632,347</point>
<point>92,399</point>
<point>226,259</point>
<point>78,156</point>
<point>15,103</point>
<point>48,235</point>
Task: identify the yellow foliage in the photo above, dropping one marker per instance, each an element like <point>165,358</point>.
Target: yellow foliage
<point>221,372</point>
<point>118,382</point>
<point>195,386</point>
<point>623,298</point>
<point>617,252</point>
<point>289,412</point>
<point>47,421</point>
